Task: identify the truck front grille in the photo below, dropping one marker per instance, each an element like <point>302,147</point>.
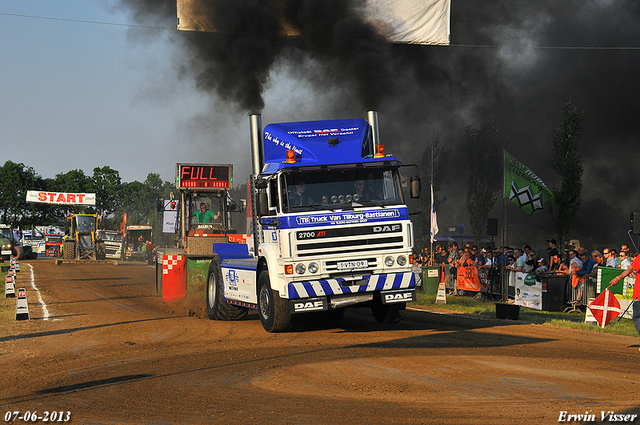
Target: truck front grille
<point>349,240</point>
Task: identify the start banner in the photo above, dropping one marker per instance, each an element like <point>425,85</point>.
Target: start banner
<point>59,198</point>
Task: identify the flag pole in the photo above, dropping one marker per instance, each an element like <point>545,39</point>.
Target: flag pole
<point>431,238</point>
<point>503,274</point>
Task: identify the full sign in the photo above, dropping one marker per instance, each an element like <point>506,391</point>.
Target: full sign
<point>204,176</point>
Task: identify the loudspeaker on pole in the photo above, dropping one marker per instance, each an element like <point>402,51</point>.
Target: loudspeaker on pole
<point>634,223</point>
<point>492,227</point>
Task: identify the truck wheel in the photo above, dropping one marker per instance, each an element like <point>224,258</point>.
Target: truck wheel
<point>273,310</point>
<point>69,250</point>
<point>217,307</point>
<point>387,313</point>
<point>19,253</point>
<point>101,251</point>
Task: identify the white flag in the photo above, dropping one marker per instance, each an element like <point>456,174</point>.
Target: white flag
<point>434,220</point>
<point>406,21</point>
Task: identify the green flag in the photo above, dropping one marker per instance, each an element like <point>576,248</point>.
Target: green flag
<point>523,186</point>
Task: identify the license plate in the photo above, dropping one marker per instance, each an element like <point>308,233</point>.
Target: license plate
<point>351,265</point>
<point>7,252</point>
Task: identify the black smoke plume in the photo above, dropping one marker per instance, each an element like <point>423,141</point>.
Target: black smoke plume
<point>513,61</point>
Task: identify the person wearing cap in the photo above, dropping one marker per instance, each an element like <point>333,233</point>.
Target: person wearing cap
<point>542,266</point>
<point>553,250</point>
<point>555,259</point>
<point>204,215</point>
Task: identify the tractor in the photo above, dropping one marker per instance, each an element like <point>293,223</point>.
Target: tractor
<point>80,243</point>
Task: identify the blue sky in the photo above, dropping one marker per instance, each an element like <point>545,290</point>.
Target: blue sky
<point>79,92</point>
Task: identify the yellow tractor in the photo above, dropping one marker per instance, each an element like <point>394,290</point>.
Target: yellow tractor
<point>80,242</point>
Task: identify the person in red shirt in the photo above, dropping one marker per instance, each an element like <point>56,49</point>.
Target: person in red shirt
<point>635,267</point>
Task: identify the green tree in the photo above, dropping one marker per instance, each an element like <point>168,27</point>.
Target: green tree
<point>485,172</point>
<point>568,163</point>
<point>139,201</point>
<point>107,185</point>
<point>15,180</point>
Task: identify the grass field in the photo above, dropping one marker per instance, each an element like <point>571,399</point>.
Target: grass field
<point>573,320</point>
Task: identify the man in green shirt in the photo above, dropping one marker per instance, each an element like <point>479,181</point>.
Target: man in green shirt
<point>205,215</point>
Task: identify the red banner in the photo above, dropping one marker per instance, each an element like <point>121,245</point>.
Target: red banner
<point>468,279</point>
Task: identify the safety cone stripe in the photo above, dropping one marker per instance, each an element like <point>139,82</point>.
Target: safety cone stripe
<point>441,297</point>
<point>22,307</point>
<point>169,262</point>
<point>9,290</point>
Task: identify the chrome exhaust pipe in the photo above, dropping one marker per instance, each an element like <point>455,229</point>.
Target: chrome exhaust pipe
<point>257,152</point>
<point>372,117</point>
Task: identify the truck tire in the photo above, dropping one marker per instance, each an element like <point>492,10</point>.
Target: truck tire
<point>387,313</point>
<point>217,307</point>
<point>101,251</point>
<point>273,311</point>
<point>69,250</point>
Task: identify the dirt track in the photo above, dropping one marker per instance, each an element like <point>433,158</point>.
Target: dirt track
<point>112,352</point>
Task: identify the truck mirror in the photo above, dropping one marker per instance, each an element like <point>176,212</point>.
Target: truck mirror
<point>415,187</point>
<point>261,183</point>
<point>263,203</point>
<point>243,205</point>
<point>160,204</point>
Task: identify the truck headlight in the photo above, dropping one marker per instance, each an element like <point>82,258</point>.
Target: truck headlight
<point>300,268</point>
<point>389,261</point>
<point>313,268</point>
<point>402,260</point>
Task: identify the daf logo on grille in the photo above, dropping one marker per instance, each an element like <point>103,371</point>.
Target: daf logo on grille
<point>385,229</point>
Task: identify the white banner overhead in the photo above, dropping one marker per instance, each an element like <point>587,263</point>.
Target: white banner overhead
<point>59,198</point>
<point>406,21</point>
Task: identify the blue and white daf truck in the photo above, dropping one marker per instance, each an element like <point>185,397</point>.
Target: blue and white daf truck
<point>331,227</point>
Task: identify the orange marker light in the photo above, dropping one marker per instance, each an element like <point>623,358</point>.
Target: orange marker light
<point>288,269</point>
<point>291,156</point>
<point>379,151</point>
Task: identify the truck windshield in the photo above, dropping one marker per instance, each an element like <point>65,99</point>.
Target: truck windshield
<point>346,188</point>
<point>85,223</point>
<point>5,233</point>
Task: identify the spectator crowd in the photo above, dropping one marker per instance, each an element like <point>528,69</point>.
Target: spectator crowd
<point>577,264</point>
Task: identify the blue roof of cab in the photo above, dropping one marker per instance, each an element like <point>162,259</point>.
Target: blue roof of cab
<point>311,142</point>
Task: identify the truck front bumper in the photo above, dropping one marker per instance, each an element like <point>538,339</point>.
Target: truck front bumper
<point>368,284</point>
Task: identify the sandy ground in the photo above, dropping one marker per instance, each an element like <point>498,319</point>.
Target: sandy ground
<point>111,352</point>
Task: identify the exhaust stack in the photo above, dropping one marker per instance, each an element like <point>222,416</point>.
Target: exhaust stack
<point>257,153</point>
<point>257,162</point>
<point>372,117</point>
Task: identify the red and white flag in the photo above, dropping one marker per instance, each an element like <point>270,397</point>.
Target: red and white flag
<point>605,307</point>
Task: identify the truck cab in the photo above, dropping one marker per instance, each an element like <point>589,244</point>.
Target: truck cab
<point>6,242</point>
<point>113,243</point>
<point>331,228</point>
